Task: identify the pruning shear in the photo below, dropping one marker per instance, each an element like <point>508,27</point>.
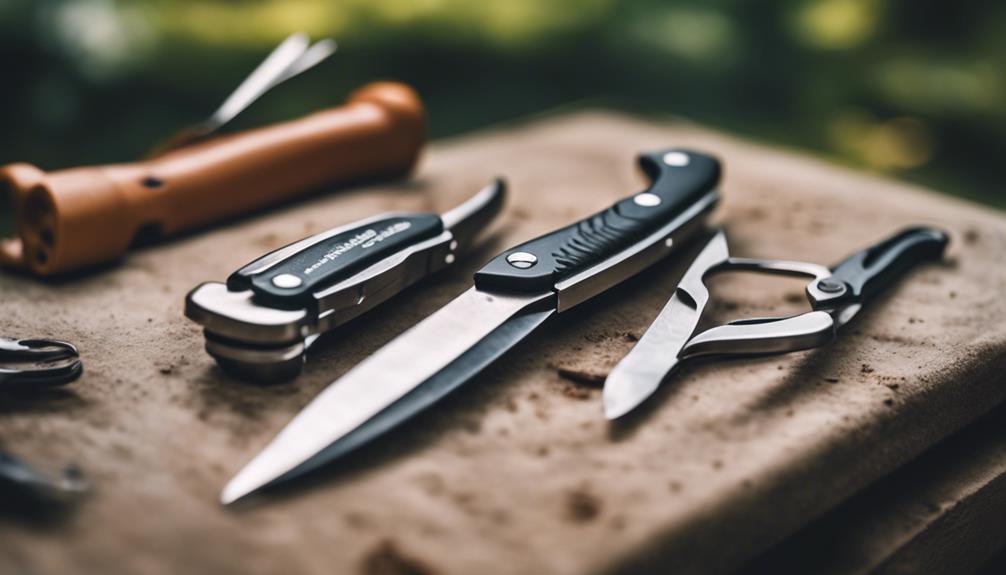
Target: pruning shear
<point>37,362</point>
<point>836,295</point>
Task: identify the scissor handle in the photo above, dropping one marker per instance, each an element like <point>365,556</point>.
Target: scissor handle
<point>865,273</point>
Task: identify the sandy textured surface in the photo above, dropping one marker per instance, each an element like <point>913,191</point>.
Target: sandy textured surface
<point>518,472</point>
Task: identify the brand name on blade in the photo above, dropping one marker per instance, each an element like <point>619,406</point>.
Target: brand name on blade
<point>365,239</point>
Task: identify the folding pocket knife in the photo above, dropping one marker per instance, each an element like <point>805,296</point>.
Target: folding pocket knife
<point>514,294</point>
<point>260,323</point>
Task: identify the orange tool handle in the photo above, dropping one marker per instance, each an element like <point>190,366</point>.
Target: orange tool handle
<point>74,218</point>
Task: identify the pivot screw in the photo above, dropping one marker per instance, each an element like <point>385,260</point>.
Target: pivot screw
<point>286,281</point>
<point>521,260</point>
<point>830,286</point>
<point>647,200</point>
<point>677,159</point>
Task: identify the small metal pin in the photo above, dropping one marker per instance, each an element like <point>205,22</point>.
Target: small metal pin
<point>454,245</point>
<point>287,281</point>
<point>830,286</point>
<point>647,200</point>
<point>521,260</point>
<point>449,259</point>
<point>677,159</point>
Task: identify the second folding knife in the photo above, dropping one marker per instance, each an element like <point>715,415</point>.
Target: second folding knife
<point>260,323</point>
<point>514,293</point>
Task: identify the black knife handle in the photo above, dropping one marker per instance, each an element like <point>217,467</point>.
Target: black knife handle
<point>865,273</point>
<point>290,283</point>
<point>679,178</point>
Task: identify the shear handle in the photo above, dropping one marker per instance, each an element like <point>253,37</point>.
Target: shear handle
<point>865,273</point>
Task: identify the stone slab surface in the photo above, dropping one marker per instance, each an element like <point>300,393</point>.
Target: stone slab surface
<point>944,512</point>
<point>518,472</point>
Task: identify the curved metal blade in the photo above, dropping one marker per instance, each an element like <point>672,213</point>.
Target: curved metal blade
<point>656,354</point>
<point>767,335</point>
<point>379,381</point>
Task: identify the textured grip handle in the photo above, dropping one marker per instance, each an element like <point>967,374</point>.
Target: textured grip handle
<point>679,178</point>
<point>290,283</point>
<point>867,272</point>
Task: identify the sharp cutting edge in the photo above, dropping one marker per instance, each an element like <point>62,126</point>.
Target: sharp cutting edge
<point>514,293</point>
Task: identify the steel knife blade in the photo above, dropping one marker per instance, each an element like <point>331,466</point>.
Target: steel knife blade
<point>514,293</point>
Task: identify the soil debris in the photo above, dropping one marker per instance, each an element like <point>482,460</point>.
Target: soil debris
<point>574,391</point>
<point>387,559</point>
<point>794,298</point>
<point>971,236</point>
<point>581,375</point>
<point>582,506</point>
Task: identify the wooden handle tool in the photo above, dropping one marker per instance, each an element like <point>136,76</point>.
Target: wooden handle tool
<point>74,218</point>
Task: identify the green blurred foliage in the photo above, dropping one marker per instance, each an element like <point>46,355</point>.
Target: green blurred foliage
<point>914,89</point>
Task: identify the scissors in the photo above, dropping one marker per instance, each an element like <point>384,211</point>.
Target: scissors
<point>836,295</point>
<point>38,362</point>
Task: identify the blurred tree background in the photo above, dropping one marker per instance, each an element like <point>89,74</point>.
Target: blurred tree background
<point>913,89</point>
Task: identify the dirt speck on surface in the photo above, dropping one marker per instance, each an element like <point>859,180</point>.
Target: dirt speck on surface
<point>387,559</point>
<point>794,297</point>
<point>582,375</point>
<point>582,506</point>
<point>866,368</point>
<point>971,236</point>
<point>629,336</point>
<point>831,379</point>
<point>575,391</point>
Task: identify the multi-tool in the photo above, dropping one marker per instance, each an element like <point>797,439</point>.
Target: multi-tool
<point>835,296</point>
<point>514,293</point>
<point>27,364</point>
<point>260,323</point>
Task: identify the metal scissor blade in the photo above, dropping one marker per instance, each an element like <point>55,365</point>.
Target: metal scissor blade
<point>379,381</point>
<point>640,372</point>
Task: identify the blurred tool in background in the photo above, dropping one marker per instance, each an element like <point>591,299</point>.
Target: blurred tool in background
<point>75,218</point>
<point>912,89</point>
